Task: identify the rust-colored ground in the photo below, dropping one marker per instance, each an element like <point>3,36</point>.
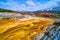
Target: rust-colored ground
<point>15,29</point>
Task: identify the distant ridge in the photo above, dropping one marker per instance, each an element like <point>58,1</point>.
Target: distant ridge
<point>6,10</point>
<point>55,10</point>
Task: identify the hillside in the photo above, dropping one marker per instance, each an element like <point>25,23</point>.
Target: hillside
<point>5,10</point>
<point>47,15</point>
<point>55,10</point>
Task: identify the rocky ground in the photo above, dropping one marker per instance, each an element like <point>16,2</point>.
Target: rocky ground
<point>52,32</point>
